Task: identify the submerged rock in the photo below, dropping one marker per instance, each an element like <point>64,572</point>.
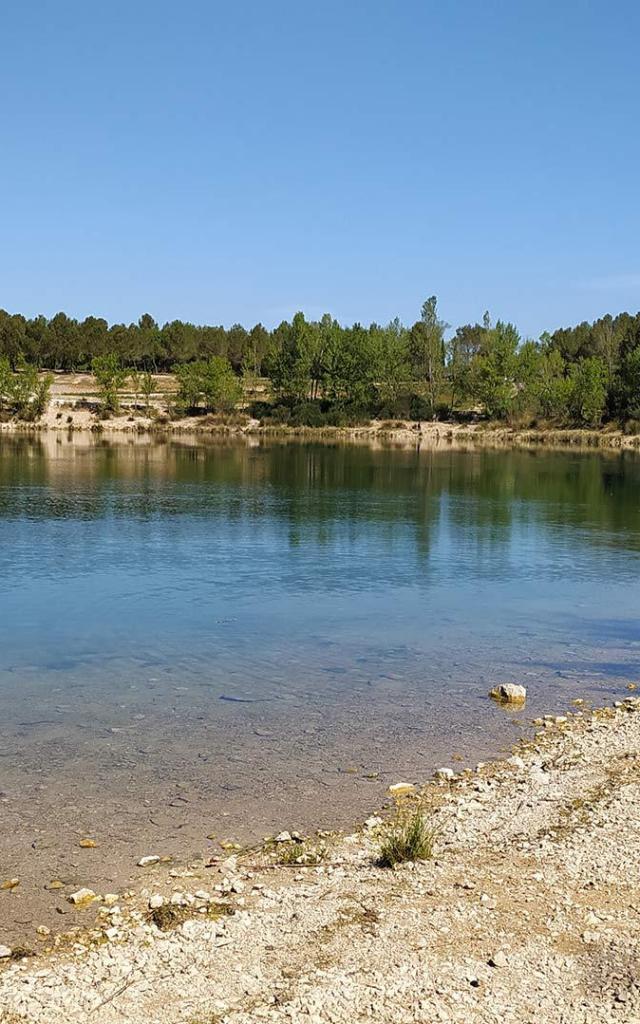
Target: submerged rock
<point>509,693</point>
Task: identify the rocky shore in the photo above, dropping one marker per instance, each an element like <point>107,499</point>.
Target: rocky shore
<point>527,911</point>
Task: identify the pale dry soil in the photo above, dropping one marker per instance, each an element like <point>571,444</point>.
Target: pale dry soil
<point>528,912</point>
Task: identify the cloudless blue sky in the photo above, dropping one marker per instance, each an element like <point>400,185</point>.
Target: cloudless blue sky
<point>237,161</point>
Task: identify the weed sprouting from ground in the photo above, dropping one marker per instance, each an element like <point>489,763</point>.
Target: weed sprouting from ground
<point>299,853</point>
<point>169,916</point>
<point>408,836</point>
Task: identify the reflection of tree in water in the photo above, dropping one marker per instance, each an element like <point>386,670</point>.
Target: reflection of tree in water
<point>475,502</point>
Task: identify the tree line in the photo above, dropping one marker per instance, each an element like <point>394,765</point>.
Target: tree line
<point>324,372</point>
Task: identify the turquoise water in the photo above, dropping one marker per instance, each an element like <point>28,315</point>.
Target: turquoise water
<point>275,624</point>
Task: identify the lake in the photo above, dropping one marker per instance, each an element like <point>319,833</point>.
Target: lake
<point>232,638</point>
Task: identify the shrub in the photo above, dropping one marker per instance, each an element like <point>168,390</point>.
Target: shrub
<point>23,392</point>
<point>419,408</point>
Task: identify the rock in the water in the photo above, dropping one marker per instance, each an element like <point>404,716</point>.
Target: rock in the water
<point>446,774</point>
<point>509,693</point>
<point>144,862</point>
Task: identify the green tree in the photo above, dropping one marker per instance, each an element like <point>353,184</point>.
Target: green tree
<point>6,383</point>
<point>350,368</point>
<point>493,371</point>
<point>588,393</point>
<point>257,346</point>
<point>110,378</point>
<point>147,387</point>
<point>426,346</point>
<point>210,383</point>
<point>390,346</point>
<point>221,387</point>
<point>135,383</point>
<point>190,378</point>
<point>12,336</point>
<point>289,361</point>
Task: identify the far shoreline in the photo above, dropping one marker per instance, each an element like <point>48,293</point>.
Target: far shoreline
<point>405,434</point>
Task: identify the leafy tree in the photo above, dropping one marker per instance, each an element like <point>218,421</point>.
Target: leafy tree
<point>190,377</point>
<point>6,383</point>
<point>256,348</point>
<point>221,388</point>
<point>135,383</point>
<point>289,362</point>
<point>110,378</point>
<point>147,387</point>
<point>391,360</point>
<point>350,369</point>
<point>588,391</point>
<point>552,386</point>
<point>426,345</point>
<point>493,372</point>
<point>211,383</point>
<point>12,336</point>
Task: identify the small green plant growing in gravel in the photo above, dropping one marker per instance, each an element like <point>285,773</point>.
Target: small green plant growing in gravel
<point>408,836</point>
<point>169,916</point>
<point>299,853</point>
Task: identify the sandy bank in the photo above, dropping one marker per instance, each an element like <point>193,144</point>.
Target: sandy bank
<point>528,912</point>
<point>82,424</point>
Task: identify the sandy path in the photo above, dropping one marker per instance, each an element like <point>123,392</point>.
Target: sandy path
<point>530,911</point>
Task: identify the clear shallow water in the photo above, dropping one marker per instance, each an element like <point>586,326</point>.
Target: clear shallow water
<point>279,631</point>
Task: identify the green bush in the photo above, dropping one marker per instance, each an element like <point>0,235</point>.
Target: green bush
<point>23,392</point>
<point>208,384</point>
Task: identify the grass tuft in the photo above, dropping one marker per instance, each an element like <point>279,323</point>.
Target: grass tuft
<point>407,838</point>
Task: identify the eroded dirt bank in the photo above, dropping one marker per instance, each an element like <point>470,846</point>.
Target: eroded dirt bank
<point>527,912</point>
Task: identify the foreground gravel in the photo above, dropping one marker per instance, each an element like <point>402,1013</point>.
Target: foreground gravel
<point>528,912</point>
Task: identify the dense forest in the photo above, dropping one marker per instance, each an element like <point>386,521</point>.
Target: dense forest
<point>323,372</point>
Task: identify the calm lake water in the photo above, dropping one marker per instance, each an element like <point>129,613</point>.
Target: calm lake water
<point>276,632</point>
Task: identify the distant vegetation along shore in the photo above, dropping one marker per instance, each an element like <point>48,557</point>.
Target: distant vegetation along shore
<point>320,373</point>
